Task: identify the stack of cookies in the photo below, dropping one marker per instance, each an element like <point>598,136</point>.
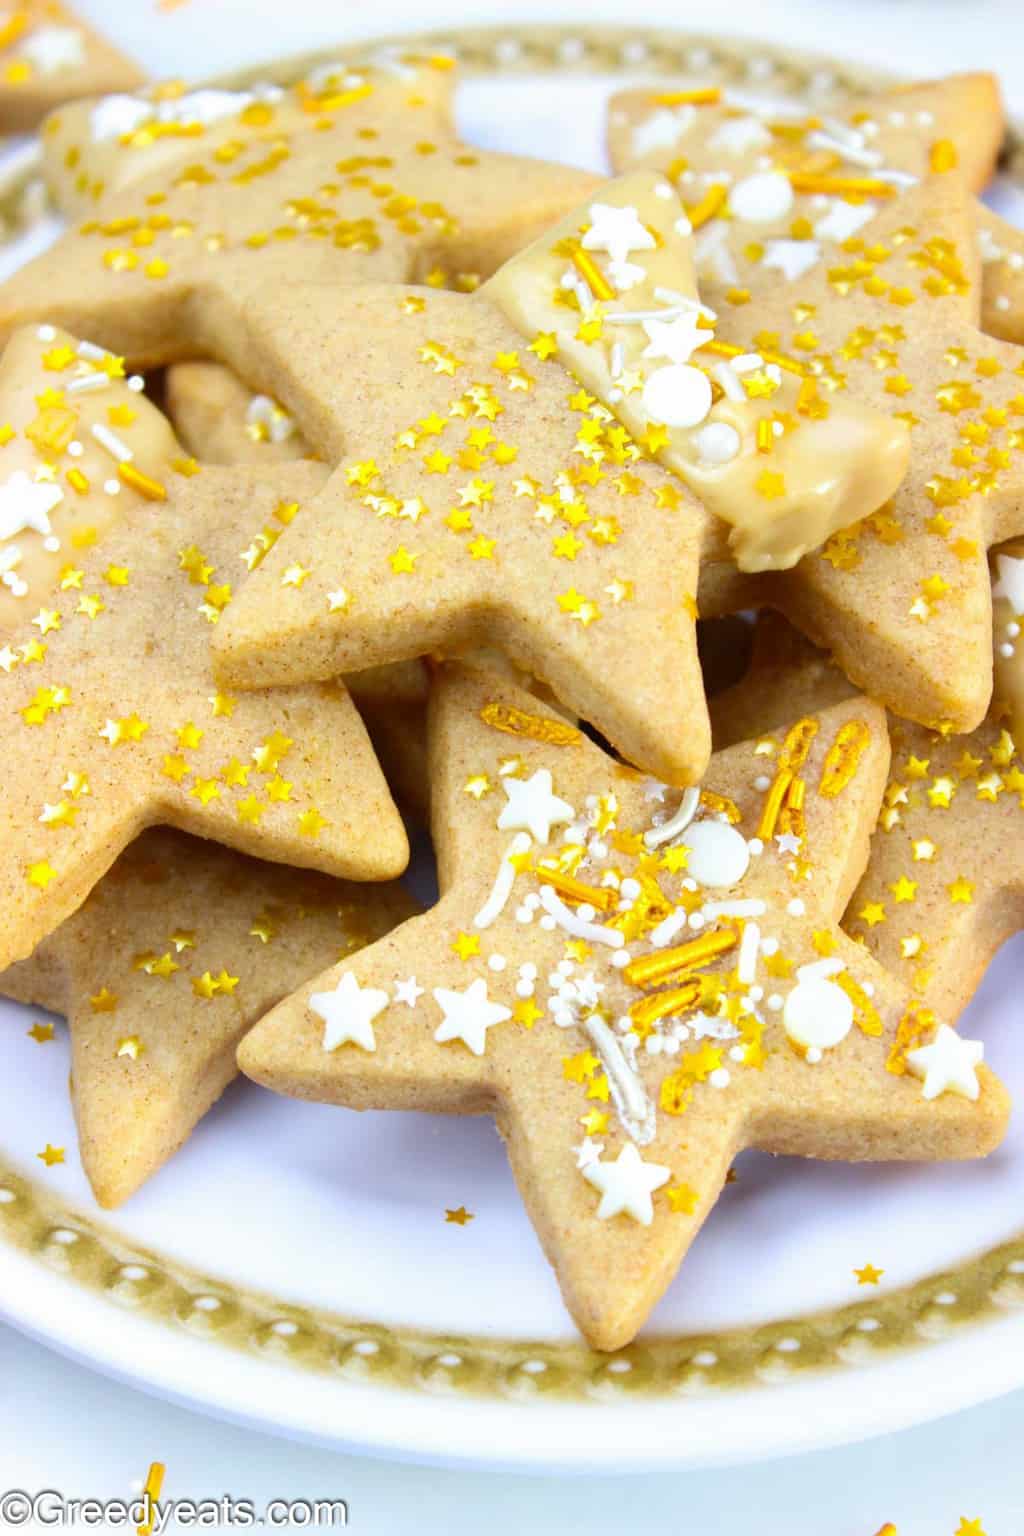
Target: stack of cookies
<point>454,450</point>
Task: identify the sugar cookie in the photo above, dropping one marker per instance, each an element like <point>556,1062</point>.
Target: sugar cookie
<point>630,1029</point>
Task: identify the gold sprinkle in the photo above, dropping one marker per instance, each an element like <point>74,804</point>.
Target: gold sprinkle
<point>151,489</point>
<point>648,970</point>
<point>516,722</point>
<point>843,758</point>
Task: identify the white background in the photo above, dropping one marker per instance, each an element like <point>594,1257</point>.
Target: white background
<point>62,1427</point>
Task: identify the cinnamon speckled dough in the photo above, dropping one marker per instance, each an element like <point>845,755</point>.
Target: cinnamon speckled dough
<point>203,231</point>
<point>944,886</point>
<point>114,720</point>
<point>212,410</point>
<point>463,512</point>
<point>48,55</point>
<point>505,998</point>
<point>174,954</point>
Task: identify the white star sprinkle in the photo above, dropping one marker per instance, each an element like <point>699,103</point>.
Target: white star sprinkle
<point>24,504</point>
<point>468,1015</point>
<point>408,992</point>
<point>663,129</point>
<point>678,338</point>
<point>626,1185</point>
<point>348,1013</point>
<point>589,1151</point>
<point>618,231</point>
<point>948,1064</point>
<point>532,807</point>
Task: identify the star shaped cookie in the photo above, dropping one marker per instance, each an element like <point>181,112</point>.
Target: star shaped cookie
<point>49,55</point>
<point>114,719</point>
<point>657,985</point>
<point>944,883</point>
<point>775,189</point>
<point>175,953</point>
<point>903,598</point>
<point>364,182</point>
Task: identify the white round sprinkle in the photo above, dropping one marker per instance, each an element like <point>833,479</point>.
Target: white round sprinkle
<point>719,855</point>
<point>818,1013</point>
<point>677,396</point>
<point>717,443</point>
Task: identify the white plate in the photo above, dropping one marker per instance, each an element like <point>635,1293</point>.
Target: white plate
<point>292,1268</point>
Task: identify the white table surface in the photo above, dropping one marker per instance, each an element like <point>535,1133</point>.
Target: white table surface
<point>63,1427</point>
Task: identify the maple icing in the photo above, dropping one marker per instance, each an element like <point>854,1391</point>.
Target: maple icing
<point>79,449</point>
<point>748,433</point>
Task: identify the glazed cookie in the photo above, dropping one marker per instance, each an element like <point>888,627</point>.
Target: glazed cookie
<point>773,190</point>
<point>48,55</point>
<point>369,183</point>
<point>612,291</point>
<point>730,154</point>
<point>902,598</point>
<point>82,449</point>
<point>637,985</point>
<point>114,719</point>
<point>176,952</point>
<point>944,886</point>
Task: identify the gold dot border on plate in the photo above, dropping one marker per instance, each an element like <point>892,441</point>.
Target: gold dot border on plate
<point>146,1283</point>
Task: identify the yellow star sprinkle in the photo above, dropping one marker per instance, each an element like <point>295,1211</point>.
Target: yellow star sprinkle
<point>103,1001</point>
<point>40,1033</point>
<point>402,562</point>
<point>51,1156</point>
<point>868,1275</point>
<point>458,1217</point>
<point>130,1046</point>
<point>465,945</point>
<point>682,1198</point>
<point>311,823</point>
<point>872,913</point>
<point>41,874</point>
<point>527,1013</point>
<point>904,889</point>
<point>961,890</point>
<point>477,785</point>
<point>578,1069</point>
